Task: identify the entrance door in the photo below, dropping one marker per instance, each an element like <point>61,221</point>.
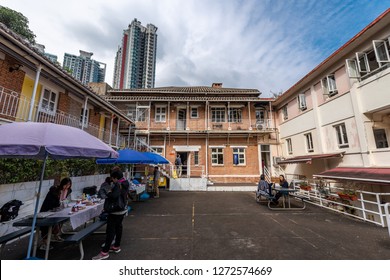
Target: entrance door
<point>185,163</point>
<point>181,119</point>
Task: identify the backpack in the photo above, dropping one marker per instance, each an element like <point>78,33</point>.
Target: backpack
<point>120,204</point>
<point>10,210</point>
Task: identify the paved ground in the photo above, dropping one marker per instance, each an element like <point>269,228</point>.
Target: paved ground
<point>230,226</point>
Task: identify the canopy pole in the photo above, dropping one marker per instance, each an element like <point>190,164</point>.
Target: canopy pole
<point>36,208</point>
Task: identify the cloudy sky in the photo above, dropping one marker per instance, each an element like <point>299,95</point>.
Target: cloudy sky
<point>263,44</point>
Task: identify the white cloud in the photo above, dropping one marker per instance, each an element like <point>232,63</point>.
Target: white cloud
<point>268,45</point>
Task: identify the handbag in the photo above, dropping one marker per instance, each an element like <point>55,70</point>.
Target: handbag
<point>116,204</point>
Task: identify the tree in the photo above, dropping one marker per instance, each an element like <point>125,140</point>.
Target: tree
<point>17,22</point>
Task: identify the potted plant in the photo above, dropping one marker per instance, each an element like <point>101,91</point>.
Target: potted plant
<point>348,195</point>
<point>304,185</point>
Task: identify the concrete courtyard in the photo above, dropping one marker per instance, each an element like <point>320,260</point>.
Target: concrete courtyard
<point>229,226</point>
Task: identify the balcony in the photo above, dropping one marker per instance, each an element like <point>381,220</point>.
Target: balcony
<point>15,108</point>
<point>200,125</point>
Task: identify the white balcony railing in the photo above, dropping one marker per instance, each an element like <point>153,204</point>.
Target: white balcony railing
<point>14,107</point>
<point>265,125</point>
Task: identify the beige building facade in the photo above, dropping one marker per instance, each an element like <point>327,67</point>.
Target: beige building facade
<point>226,135</point>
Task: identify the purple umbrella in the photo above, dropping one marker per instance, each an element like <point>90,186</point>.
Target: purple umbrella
<point>43,140</point>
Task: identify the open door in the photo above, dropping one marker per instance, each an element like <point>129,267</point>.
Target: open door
<point>181,119</point>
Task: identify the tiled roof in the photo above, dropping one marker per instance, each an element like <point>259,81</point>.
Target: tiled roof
<point>189,90</point>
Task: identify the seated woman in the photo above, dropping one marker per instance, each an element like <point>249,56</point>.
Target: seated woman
<point>263,186</point>
<point>284,185</point>
<point>52,201</point>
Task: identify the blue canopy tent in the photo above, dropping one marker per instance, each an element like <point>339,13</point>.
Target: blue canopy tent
<point>128,156</point>
<point>157,159</point>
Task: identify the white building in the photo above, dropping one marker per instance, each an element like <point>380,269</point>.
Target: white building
<point>335,122</point>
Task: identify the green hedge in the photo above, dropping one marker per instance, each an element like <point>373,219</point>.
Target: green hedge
<point>26,170</point>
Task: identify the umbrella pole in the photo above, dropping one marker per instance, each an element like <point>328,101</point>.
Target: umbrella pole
<point>36,208</point>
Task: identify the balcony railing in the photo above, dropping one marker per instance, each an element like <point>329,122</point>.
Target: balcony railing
<point>200,125</point>
<point>14,107</point>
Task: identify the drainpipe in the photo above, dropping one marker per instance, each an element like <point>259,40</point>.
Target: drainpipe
<point>150,108</point>
<point>169,113</point>
<point>270,112</point>
<point>84,111</point>
<point>111,124</point>
<point>187,116</point>
<point>128,137</point>
<point>117,132</point>
<point>228,115</point>
<point>206,119</point>
<point>249,114</point>
<point>207,157</point>
<point>34,93</point>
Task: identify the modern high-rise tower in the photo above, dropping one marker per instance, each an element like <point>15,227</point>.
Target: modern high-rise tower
<point>83,68</point>
<point>135,60</point>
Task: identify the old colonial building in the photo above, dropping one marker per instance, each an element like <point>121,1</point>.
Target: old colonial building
<point>32,88</point>
<point>223,134</point>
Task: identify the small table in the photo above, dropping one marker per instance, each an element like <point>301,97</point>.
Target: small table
<point>44,222</point>
<point>76,219</point>
<point>81,216</point>
<point>286,195</point>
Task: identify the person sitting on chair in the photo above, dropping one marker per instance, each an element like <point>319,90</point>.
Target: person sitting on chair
<point>284,185</point>
<point>263,186</point>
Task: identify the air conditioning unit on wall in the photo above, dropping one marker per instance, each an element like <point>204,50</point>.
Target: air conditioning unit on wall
<point>276,160</point>
<point>260,126</point>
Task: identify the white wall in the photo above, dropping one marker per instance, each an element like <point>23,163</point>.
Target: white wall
<point>26,192</point>
<point>374,93</point>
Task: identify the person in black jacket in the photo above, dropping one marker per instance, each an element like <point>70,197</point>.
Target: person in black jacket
<point>52,201</point>
<point>284,185</point>
<point>116,206</point>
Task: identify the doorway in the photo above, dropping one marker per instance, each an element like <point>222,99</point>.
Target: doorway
<point>181,123</point>
<point>184,161</point>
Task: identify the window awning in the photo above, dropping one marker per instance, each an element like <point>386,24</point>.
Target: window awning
<point>308,158</point>
<point>368,174</point>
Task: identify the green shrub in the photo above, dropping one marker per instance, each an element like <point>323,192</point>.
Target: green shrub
<point>25,170</point>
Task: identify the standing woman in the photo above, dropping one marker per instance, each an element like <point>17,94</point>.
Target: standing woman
<point>116,207</point>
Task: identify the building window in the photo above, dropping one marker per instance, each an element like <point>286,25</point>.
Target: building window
<point>235,115</point>
<point>342,138</point>
<point>309,142</point>
<point>329,85</point>
<point>289,146</point>
<point>84,113</point>
<point>352,68</point>
<point>238,156</point>
<point>194,113</point>
<point>48,102</point>
<point>217,156</point>
<point>380,138</point>
<point>158,150</point>
<point>362,62</point>
<point>196,158</point>
<point>137,114</point>
<point>161,113</point>
<point>218,114</point>
<point>285,112</point>
<point>381,51</point>
<point>260,115</point>
<point>302,102</point>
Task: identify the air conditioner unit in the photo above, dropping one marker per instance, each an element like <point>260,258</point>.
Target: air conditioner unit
<point>260,126</point>
<point>276,160</point>
<point>302,107</point>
